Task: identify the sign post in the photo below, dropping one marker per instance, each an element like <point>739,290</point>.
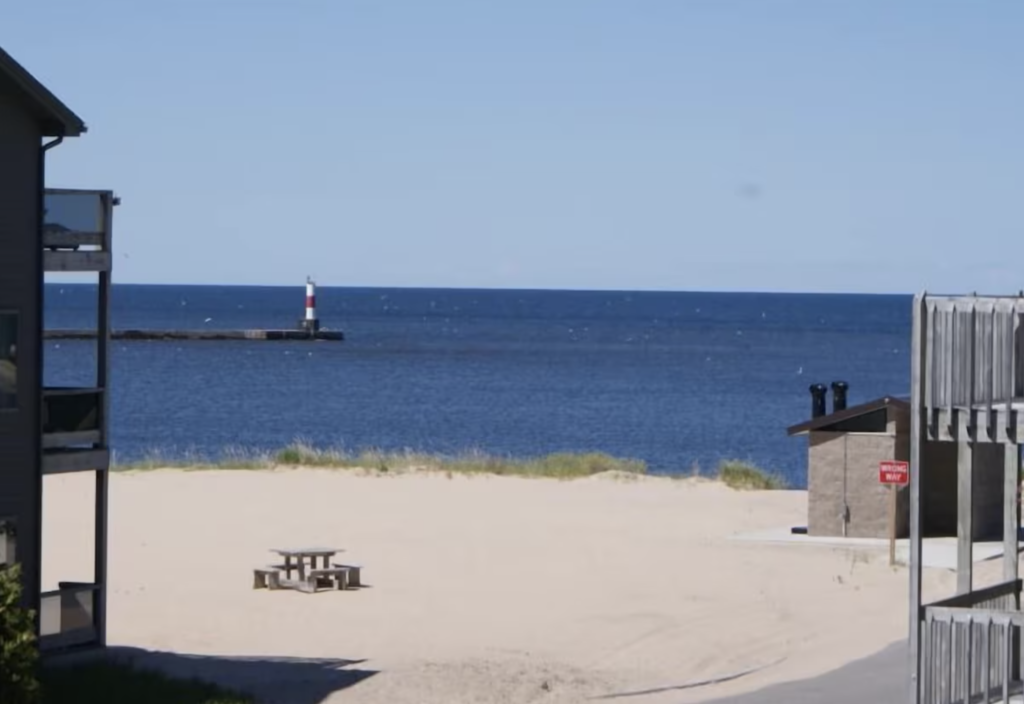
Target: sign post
<point>894,474</point>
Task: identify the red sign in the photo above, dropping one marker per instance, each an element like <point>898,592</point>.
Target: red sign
<point>894,472</point>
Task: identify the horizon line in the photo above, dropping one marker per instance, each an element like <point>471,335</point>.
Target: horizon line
<point>753,292</point>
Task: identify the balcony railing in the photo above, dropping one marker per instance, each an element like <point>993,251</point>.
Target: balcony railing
<point>67,616</point>
<point>975,354</point>
<point>73,430</point>
<point>76,230</point>
<point>972,376</point>
<point>970,647</point>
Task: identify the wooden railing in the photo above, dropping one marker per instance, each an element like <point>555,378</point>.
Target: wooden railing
<point>974,353</point>
<point>76,229</point>
<point>971,647</point>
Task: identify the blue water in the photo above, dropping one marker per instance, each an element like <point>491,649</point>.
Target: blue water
<point>676,379</point>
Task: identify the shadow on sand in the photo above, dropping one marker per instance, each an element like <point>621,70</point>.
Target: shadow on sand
<point>880,678</point>
<point>284,680</point>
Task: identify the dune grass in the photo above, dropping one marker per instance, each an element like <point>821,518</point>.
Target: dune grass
<point>746,476</point>
<point>737,474</point>
<point>562,465</point>
<point>104,682</point>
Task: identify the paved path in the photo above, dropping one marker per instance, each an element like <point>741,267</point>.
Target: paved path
<point>878,679</point>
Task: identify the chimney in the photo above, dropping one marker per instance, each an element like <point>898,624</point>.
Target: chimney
<point>839,389</point>
<point>818,392</point>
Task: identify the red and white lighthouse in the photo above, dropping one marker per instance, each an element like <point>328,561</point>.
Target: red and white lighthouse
<point>310,323</point>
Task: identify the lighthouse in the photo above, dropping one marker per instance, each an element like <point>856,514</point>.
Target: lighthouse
<point>310,323</point>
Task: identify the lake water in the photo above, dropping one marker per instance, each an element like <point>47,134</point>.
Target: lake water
<point>675,379</point>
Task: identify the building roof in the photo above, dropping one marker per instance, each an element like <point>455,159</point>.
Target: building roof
<point>56,118</point>
<point>848,413</point>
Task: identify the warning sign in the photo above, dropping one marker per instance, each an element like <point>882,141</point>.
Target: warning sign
<point>894,472</point>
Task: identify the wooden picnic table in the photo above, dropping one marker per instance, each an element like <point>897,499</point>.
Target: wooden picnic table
<point>295,559</point>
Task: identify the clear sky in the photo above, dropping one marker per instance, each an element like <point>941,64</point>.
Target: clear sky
<point>770,145</point>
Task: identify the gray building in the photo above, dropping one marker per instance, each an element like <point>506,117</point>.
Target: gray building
<point>844,496</point>
<point>45,431</point>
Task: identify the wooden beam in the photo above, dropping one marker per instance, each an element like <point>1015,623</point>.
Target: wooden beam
<point>1011,473</point>
<point>1011,530</point>
<point>53,441</point>
<point>919,343</point>
<point>72,238</point>
<point>964,516</point>
<point>100,571</point>
<point>76,261</point>
<point>75,461</point>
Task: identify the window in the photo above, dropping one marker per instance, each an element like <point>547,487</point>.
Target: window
<point>8,537</point>
<point>8,361</point>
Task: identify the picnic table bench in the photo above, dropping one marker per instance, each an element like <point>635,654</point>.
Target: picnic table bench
<point>311,578</point>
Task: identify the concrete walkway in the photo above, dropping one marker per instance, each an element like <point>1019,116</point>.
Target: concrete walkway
<point>880,679</point>
<point>936,552</point>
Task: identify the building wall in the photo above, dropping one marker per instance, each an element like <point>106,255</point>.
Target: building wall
<point>940,486</point>
<point>859,454</point>
<point>940,489</point>
<point>843,472</point>
<point>20,291</point>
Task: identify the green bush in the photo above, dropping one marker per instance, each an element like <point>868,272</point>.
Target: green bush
<point>18,654</point>
<point>746,476</point>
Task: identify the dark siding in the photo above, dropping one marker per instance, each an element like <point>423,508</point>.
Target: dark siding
<point>20,290</point>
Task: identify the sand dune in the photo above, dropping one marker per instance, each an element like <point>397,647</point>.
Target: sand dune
<point>483,589</point>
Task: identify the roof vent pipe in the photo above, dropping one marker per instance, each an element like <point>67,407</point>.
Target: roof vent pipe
<point>839,389</point>
<point>818,392</point>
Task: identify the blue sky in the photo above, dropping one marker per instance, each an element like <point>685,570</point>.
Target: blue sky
<point>768,145</point>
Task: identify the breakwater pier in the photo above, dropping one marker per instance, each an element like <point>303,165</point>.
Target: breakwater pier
<point>307,329</point>
<point>290,335</point>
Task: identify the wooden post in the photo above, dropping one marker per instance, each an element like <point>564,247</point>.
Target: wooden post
<point>918,408</point>
<point>892,525</point>
<point>1011,481</point>
<point>965,516</point>
<point>102,498</point>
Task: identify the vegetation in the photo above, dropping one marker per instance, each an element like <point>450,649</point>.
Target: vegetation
<point>18,656</point>
<point>737,474</point>
<point>563,465</point>
<point>105,682</point>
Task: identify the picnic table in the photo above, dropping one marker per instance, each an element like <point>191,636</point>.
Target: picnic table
<point>311,577</point>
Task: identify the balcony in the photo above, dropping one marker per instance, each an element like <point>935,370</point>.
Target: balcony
<point>73,430</point>
<point>76,230</point>
<point>67,617</point>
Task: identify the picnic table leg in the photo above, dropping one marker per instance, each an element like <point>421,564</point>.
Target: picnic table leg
<point>288,566</point>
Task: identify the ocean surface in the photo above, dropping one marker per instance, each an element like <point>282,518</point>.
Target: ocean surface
<point>676,379</point>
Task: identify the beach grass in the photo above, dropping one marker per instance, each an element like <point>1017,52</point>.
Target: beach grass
<point>746,476</point>
<point>105,682</point>
<point>737,474</point>
<point>561,465</point>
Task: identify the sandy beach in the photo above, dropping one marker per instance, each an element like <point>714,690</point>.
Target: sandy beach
<point>481,588</point>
